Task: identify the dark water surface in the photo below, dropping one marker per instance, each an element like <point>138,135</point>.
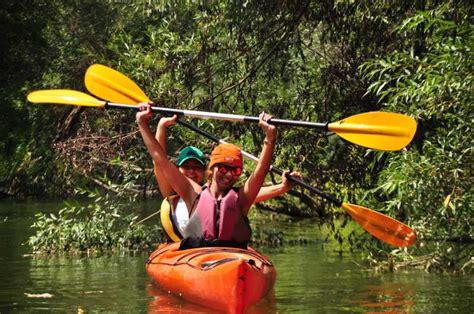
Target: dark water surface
<point>311,279</point>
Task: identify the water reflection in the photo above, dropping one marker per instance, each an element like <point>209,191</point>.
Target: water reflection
<point>391,298</point>
<point>164,302</point>
<point>85,284</point>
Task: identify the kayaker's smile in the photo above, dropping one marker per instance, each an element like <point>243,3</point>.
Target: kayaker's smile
<point>193,170</point>
<point>226,175</point>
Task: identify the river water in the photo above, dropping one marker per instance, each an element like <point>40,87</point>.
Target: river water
<point>312,278</point>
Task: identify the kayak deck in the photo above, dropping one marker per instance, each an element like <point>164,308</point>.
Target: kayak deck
<point>222,278</point>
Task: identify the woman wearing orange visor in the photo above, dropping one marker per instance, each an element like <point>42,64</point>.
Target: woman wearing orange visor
<point>219,211</point>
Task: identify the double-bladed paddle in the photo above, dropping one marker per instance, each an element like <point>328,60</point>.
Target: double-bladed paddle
<point>380,226</point>
<point>378,130</point>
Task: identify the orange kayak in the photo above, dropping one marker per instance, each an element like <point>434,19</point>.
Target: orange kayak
<point>222,278</point>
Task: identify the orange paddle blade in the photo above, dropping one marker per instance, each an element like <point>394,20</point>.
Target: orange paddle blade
<point>109,84</point>
<point>378,130</point>
<point>381,226</point>
<point>66,97</point>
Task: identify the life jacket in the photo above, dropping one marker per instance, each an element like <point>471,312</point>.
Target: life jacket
<point>167,218</point>
<point>220,220</point>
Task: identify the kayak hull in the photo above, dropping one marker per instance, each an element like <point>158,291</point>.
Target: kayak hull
<point>222,278</point>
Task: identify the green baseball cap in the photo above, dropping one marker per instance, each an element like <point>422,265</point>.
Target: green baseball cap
<point>191,152</point>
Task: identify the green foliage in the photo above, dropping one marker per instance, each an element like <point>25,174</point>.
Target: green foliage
<point>103,225</point>
<point>431,185</point>
<point>46,44</point>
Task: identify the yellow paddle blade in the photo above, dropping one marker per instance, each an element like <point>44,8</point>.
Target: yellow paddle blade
<point>381,226</point>
<point>64,96</point>
<point>378,130</point>
<point>108,83</point>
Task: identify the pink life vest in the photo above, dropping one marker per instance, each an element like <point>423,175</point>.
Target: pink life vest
<point>219,219</point>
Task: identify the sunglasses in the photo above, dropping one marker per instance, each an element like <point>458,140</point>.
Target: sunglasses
<point>223,169</point>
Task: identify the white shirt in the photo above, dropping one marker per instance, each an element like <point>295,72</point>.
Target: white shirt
<point>181,215</point>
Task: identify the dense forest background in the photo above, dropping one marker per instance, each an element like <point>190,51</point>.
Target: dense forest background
<point>302,60</point>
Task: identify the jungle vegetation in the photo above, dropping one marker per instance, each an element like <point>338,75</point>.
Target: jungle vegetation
<point>301,60</point>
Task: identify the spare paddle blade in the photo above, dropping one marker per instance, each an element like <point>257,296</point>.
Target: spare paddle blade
<point>378,130</point>
<point>64,96</point>
<point>107,83</point>
<point>381,226</point>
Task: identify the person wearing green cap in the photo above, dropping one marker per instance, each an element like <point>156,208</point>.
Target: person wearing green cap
<point>191,162</point>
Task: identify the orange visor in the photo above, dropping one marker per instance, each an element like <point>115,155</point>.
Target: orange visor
<point>228,154</point>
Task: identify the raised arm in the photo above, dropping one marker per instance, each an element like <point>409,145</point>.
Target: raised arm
<point>268,192</point>
<point>252,186</point>
<point>178,182</point>
<point>161,134</point>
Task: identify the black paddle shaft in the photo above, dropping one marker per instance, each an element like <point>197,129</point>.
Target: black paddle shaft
<point>311,188</point>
